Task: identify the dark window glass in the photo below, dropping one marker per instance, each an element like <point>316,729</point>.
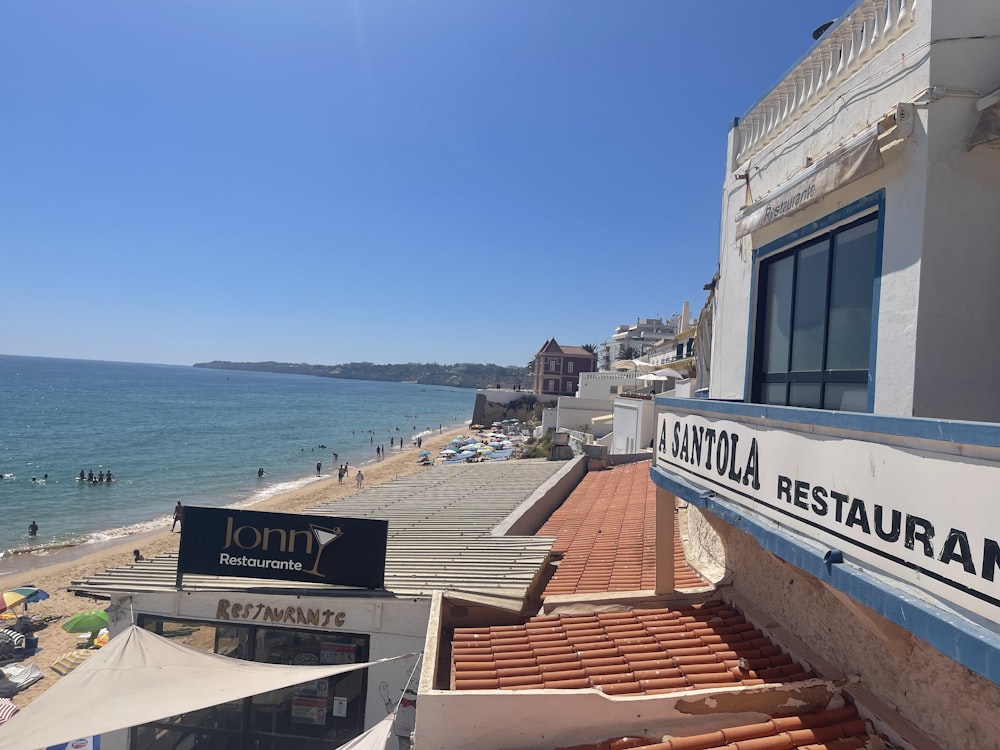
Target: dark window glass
<point>815,321</point>
<point>846,396</point>
<point>849,338</point>
<point>807,395</point>
<point>810,307</point>
<point>312,715</point>
<point>777,325</point>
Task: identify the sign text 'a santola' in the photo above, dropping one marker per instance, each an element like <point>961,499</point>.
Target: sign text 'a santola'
<point>882,504</point>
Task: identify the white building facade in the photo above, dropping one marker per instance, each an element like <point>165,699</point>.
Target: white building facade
<point>858,267</point>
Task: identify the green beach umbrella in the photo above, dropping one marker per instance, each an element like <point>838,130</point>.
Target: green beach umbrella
<point>87,622</point>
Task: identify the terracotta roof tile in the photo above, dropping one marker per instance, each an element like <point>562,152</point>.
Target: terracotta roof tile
<point>605,532</point>
<point>623,652</point>
<point>838,729</point>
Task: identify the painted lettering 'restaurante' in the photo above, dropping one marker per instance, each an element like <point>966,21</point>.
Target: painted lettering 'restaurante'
<point>711,449</point>
<point>890,525</point>
<point>790,201</point>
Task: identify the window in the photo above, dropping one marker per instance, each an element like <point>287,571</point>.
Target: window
<point>552,386</point>
<point>312,715</point>
<point>815,321</point>
<point>553,365</point>
<point>569,367</point>
<point>570,386</point>
<point>614,389</point>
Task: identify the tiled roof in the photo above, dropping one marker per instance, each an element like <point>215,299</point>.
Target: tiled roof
<point>837,729</point>
<point>440,537</point>
<point>606,534</point>
<point>644,651</point>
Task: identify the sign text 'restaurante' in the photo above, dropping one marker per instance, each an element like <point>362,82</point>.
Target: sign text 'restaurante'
<point>728,460</point>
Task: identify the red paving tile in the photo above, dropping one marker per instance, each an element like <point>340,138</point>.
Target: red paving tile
<point>642,651</point>
<point>605,532</point>
<point>837,729</point>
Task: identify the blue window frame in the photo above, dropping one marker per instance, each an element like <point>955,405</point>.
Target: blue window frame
<point>816,308</point>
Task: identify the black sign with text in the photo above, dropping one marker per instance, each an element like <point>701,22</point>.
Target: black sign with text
<point>283,546</point>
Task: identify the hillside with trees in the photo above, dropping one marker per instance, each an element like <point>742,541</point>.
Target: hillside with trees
<point>461,375</point>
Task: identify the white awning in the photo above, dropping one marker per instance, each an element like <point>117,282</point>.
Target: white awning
<point>848,162</point>
<point>141,677</point>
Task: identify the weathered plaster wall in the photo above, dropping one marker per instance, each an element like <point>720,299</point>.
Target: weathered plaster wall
<point>898,74</point>
<point>959,303</point>
<point>953,705</point>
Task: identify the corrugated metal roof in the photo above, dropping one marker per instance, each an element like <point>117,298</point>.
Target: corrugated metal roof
<point>439,537</point>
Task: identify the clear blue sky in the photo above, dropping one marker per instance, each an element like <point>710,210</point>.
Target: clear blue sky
<point>332,181</point>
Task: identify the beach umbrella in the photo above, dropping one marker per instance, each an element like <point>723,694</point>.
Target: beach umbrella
<point>448,452</point>
<point>424,453</point>
<point>91,622</point>
<point>10,599</point>
<point>466,454</point>
<point>32,594</point>
<point>71,660</point>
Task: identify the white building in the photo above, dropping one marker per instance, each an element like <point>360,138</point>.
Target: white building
<point>856,296</point>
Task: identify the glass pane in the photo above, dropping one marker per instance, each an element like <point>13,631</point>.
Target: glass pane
<point>228,640</point>
<point>809,326</point>
<point>331,710</point>
<point>153,737</point>
<point>851,298</point>
<point>774,393</point>
<point>778,314</point>
<point>805,394</point>
<point>846,397</point>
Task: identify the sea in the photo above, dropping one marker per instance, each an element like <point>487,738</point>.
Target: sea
<point>172,433</point>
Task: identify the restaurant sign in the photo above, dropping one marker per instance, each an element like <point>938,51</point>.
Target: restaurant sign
<point>283,546</point>
<point>928,518</point>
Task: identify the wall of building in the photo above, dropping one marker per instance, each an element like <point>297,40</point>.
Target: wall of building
<point>600,384</point>
<point>575,413</point>
<point>898,74</point>
<point>635,422</point>
<point>934,693</point>
<point>959,303</point>
<point>394,626</point>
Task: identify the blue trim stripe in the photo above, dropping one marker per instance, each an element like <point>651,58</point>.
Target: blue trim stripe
<point>961,640</point>
<point>984,434</point>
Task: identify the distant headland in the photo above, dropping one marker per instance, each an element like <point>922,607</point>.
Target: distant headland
<point>461,375</point>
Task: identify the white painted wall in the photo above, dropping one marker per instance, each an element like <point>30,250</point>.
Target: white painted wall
<point>960,282</point>
<point>575,413</point>
<point>899,73</point>
<point>600,384</point>
<point>635,422</point>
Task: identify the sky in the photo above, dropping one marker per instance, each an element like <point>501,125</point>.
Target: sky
<point>389,181</point>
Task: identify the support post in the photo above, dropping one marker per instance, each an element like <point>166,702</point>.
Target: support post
<point>666,505</point>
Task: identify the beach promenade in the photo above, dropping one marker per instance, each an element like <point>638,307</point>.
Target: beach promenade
<point>56,577</point>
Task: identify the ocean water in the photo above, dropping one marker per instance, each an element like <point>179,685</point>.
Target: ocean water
<point>171,433</point>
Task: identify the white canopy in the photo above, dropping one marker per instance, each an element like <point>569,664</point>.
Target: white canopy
<point>141,677</point>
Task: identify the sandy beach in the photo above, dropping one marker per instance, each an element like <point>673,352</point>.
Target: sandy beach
<point>55,577</point>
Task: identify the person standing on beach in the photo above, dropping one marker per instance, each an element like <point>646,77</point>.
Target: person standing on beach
<point>319,467</point>
<point>178,516</point>
<point>33,527</point>
<point>359,478</point>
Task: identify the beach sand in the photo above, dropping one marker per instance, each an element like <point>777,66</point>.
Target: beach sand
<point>54,642</point>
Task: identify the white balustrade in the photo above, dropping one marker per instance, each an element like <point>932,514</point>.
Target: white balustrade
<point>870,27</point>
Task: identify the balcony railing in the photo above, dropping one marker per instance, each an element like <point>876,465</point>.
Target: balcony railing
<point>867,30</point>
